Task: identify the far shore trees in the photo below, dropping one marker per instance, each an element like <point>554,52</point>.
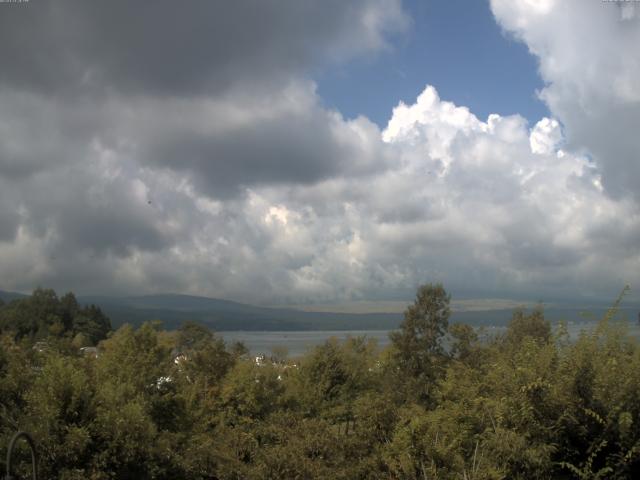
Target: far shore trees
<point>44,316</point>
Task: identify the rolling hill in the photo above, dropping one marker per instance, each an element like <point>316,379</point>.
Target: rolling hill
<point>224,315</point>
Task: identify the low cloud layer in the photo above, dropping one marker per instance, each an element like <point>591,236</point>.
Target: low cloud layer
<point>201,160</point>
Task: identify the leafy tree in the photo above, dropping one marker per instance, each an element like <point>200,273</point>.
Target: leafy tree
<point>464,341</point>
<point>418,348</point>
<point>333,375</point>
<point>91,322</point>
<point>43,316</point>
<point>199,375</point>
<point>251,391</point>
<point>60,408</point>
<point>192,335</point>
<point>523,325</point>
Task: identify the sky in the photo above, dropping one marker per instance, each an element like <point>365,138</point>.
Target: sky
<point>454,45</point>
<point>309,153</point>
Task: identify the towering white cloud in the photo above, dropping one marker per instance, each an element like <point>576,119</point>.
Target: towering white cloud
<point>590,63</point>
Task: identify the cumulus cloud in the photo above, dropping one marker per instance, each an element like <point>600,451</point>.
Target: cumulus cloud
<point>191,153</point>
<point>476,204</point>
<point>546,136</point>
<point>484,206</point>
<point>590,64</point>
<point>479,205</point>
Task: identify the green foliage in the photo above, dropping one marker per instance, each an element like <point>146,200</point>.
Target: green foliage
<point>43,315</point>
<point>192,335</point>
<point>464,344</point>
<point>418,353</point>
<point>528,404</point>
<point>532,326</point>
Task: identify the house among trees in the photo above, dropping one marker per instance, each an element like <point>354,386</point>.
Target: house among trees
<point>90,352</point>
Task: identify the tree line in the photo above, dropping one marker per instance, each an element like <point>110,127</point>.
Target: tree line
<point>439,402</point>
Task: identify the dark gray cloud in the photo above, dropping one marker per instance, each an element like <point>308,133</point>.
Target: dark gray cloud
<point>122,124</point>
<point>9,220</point>
<point>215,90</point>
<point>289,143</point>
<point>39,132</point>
<point>180,48</point>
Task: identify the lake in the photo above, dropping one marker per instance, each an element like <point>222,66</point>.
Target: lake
<point>299,342</point>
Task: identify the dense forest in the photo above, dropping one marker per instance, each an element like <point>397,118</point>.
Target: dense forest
<point>529,403</point>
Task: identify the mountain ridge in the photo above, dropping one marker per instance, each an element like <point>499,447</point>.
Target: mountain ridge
<point>174,309</point>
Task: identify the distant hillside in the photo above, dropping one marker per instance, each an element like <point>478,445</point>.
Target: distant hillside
<point>224,315</point>
<point>8,296</point>
<point>172,310</point>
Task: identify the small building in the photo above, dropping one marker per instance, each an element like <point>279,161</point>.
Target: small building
<point>260,360</point>
<point>90,352</point>
<point>41,346</point>
<point>178,356</point>
<point>163,382</point>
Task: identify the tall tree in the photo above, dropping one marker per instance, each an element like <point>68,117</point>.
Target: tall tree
<point>418,350</point>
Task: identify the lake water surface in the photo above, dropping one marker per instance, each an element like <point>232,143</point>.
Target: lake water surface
<point>299,342</point>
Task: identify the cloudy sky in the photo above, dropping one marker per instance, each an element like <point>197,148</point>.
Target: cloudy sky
<point>305,152</point>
